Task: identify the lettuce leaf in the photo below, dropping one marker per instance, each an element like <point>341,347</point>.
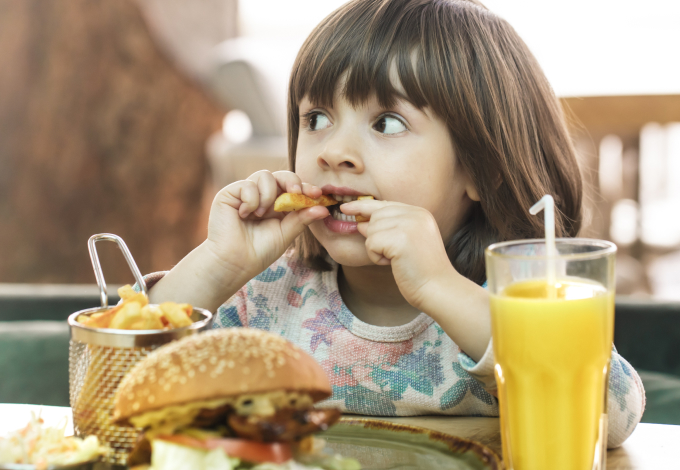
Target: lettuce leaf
<point>170,456</point>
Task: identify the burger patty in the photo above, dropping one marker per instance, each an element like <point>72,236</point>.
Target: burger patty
<point>284,426</point>
<point>209,418</point>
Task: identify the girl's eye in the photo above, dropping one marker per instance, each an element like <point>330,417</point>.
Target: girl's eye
<point>318,121</point>
<point>389,125</point>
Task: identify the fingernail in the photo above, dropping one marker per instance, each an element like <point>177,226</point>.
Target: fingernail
<point>297,188</point>
<point>260,212</point>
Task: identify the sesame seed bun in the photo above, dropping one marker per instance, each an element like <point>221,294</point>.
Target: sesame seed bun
<point>218,364</point>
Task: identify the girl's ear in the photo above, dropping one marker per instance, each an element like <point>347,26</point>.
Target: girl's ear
<point>472,192</point>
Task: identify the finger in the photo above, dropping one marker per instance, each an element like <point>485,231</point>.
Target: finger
<point>270,213</point>
<point>378,248</point>
<point>377,258</point>
<point>268,188</point>
<point>311,190</point>
<point>294,223</point>
<point>288,182</point>
<point>377,224</point>
<point>367,207</point>
<point>249,195</point>
<point>362,228</point>
<point>232,195</point>
<point>374,254</point>
<point>380,223</point>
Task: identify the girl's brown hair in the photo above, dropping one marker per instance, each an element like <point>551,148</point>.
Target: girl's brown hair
<point>474,72</point>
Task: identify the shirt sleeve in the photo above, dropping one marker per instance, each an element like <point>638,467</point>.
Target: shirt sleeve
<point>483,370</point>
<point>625,403</point>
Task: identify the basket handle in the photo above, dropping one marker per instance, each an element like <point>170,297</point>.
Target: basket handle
<point>98,267</point>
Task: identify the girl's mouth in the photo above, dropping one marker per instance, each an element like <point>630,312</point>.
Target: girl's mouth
<point>338,215</point>
<point>338,222</point>
<point>337,225</point>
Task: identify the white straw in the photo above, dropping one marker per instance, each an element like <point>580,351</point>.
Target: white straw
<point>547,205</point>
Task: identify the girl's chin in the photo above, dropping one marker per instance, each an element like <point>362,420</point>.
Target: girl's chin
<point>346,249</point>
<point>348,259</point>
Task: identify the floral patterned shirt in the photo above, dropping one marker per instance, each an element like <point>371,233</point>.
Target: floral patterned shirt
<point>412,369</point>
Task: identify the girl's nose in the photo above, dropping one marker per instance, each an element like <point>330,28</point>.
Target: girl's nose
<point>339,157</point>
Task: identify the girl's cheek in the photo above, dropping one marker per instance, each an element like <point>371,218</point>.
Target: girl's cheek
<point>304,165</point>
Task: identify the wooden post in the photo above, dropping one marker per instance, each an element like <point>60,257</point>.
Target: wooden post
<point>99,132</point>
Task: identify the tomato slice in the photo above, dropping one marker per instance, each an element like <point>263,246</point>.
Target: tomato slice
<point>250,451</point>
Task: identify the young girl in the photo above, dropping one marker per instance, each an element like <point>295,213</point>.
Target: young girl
<point>439,111</point>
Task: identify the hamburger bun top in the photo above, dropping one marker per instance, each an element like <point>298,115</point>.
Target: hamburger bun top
<point>218,364</point>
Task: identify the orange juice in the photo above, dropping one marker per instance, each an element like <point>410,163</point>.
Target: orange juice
<point>552,355</point>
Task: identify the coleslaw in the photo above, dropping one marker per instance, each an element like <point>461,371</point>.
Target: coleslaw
<point>45,446</point>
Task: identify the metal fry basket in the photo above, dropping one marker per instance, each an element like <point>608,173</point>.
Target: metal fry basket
<point>100,358</point>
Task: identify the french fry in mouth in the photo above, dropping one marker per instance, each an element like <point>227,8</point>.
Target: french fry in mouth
<point>289,202</point>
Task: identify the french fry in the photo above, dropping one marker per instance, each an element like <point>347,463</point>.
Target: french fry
<point>186,308</point>
<point>127,316</point>
<point>103,319</point>
<point>175,315</point>
<point>289,202</point>
<point>152,316</point>
<point>150,319</point>
<point>139,297</point>
<point>126,292</point>
<point>361,218</point>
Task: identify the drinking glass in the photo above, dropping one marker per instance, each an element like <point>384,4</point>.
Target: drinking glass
<point>552,345</point>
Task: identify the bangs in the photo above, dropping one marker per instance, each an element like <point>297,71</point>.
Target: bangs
<point>359,48</point>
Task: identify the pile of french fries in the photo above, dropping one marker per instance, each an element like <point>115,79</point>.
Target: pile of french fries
<point>135,313</point>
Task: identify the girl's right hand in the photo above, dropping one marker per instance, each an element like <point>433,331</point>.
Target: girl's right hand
<point>245,234</point>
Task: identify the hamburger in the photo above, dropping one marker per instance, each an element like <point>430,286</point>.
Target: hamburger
<point>228,399</point>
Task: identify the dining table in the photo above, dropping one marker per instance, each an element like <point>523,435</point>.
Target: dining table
<point>650,447</point>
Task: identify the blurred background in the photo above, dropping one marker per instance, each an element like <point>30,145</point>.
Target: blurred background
<point>126,116</point>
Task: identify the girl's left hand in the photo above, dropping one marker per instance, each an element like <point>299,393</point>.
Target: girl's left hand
<point>407,238</point>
